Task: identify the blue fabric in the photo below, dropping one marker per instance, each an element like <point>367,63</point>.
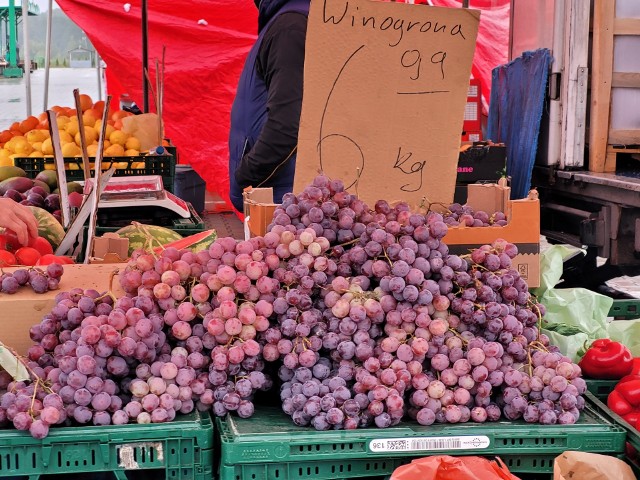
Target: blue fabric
<point>517,101</point>
<point>249,111</point>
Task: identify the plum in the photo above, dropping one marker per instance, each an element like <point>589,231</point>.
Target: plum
<point>14,195</point>
<point>36,200</point>
<point>52,202</point>
<point>39,190</point>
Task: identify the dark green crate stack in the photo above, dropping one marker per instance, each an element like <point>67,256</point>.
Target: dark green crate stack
<point>180,450</point>
<point>163,165</point>
<point>268,446</point>
<point>627,309</point>
<point>601,388</point>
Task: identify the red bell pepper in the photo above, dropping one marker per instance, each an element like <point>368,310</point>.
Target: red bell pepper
<point>636,366</point>
<point>618,404</point>
<point>625,400</point>
<point>607,360</point>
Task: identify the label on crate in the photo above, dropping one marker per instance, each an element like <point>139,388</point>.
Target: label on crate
<point>417,444</point>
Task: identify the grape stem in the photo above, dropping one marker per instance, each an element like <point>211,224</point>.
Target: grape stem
<point>109,293</point>
<point>455,332</point>
<point>21,360</point>
<point>148,246</point>
<point>350,242</point>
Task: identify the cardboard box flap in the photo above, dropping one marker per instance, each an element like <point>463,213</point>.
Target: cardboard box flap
<point>258,195</point>
<point>489,197</point>
<point>258,209</point>
<point>111,243</point>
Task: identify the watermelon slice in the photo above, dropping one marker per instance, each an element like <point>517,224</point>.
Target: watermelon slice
<point>147,236</point>
<point>196,243</point>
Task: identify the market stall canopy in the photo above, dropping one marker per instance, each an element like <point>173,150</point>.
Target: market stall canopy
<point>206,46</point>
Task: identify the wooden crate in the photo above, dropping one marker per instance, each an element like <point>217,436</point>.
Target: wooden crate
<point>604,142</point>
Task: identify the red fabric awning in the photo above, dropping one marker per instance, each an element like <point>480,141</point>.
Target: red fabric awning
<point>206,43</point>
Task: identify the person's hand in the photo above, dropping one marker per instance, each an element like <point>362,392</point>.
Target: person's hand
<point>19,219</point>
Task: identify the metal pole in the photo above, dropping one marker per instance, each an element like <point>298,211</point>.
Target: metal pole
<point>26,55</point>
<point>13,34</point>
<point>99,70</point>
<point>47,56</point>
<point>145,58</point>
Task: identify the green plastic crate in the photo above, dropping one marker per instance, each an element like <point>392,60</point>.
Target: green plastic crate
<point>183,226</point>
<point>180,450</point>
<point>601,388</point>
<point>268,446</point>
<point>625,309</point>
<point>163,165</point>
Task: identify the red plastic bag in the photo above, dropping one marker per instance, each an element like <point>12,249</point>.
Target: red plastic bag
<point>445,467</point>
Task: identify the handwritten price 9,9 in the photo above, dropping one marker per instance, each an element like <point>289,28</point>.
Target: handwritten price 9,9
<point>412,59</point>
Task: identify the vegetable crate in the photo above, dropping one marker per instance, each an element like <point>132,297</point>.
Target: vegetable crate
<point>268,446</point>
<point>183,226</point>
<point>601,388</point>
<point>181,450</point>
<point>111,222</point>
<point>625,309</point>
<point>163,165</point>
<point>633,436</point>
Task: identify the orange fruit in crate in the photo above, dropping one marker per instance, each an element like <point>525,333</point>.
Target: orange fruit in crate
<point>15,126</point>
<point>132,143</point>
<point>99,106</point>
<point>115,150</point>
<point>37,146</point>
<point>119,115</point>
<point>29,124</point>
<point>119,137</point>
<point>62,121</point>
<point>5,136</point>
<point>132,153</point>
<point>36,154</point>
<point>89,118</point>
<point>71,112</point>
<point>22,147</point>
<point>72,127</point>
<point>92,150</point>
<point>47,147</point>
<point>65,137</point>
<point>86,102</point>
<point>35,136</point>
<point>70,149</point>
<point>5,159</point>
<point>90,136</point>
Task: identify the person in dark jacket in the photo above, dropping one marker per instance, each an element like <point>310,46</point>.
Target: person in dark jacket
<point>266,111</point>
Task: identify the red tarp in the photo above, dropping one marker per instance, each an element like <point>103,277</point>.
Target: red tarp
<point>206,43</point>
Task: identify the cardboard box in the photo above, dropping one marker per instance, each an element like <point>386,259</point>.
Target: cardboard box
<point>258,210</point>
<point>26,308</point>
<point>110,248</point>
<point>523,228</point>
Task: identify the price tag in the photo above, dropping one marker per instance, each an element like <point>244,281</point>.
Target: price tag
<point>418,444</point>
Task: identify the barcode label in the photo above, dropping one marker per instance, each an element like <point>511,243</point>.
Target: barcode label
<point>419,444</point>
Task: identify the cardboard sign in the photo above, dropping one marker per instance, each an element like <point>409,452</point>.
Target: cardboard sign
<point>385,86</point>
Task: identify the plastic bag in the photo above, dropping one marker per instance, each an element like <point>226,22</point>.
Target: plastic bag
<point>445,467</point>
<point>590,466</point>
<point>574,315</point>
<point>145,128</point>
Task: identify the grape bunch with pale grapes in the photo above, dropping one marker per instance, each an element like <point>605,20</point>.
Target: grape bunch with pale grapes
<point>350,316</point>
